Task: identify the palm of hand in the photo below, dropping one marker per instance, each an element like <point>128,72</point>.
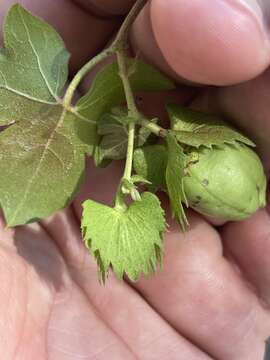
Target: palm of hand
<point>211,300</point>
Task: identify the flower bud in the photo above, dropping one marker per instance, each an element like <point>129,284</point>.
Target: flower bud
<point>227,183</point>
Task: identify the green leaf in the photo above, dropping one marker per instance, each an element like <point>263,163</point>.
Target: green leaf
<point>113,144</point>
<point>128,240</point>
<point>42,153</point>
<point>114,132</point>
<point>107,89</point>
<point>150,162</point>
<point>175,173</point>
<point>196,128</point>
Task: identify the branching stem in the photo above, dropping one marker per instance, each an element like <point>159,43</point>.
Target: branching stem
<point>118,47</point>
<point>119,43</point>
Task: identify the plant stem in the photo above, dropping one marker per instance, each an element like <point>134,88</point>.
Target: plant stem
<point>123,32</point>
<point>123,73</point>
<point>117,47</point>
<point>132,112</point>
<point>130,150</point>
<point>118,44</point>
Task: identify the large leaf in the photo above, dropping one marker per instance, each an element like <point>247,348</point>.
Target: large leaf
<point>128,240</point>
<point>42,154</point>
<point>196,128</point>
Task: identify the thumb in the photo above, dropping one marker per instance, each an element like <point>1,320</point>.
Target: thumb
<point>208,42</point>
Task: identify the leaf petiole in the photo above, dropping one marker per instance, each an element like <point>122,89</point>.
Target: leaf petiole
<point>82,72</point>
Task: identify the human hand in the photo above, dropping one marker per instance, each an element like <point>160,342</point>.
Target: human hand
<point>211,300</point>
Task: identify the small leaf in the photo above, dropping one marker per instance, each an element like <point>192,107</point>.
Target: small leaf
<point>113,144</point>
<point>114,132</point>
<point>175,173</point>
<point>150,162</point>
<point>128,240</point>
<point>196,128</point>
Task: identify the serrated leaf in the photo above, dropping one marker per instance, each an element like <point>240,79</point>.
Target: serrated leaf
<point>150,162</point>
<point>196,129</point>
<point>130,241</point>
<point>42,154</point>
<point>175,173</point>
<point>114,132</point>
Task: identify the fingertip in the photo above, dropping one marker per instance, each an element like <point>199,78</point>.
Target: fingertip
<point>221,43</point>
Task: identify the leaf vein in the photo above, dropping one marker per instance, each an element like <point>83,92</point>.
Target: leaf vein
<point>37,58</point>
<point>43,156</point>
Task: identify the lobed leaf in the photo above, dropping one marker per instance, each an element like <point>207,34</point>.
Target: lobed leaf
<point>42,154</point>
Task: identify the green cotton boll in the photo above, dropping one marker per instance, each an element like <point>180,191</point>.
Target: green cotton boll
<point>226,183</point>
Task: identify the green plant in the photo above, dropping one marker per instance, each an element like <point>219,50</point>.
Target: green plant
<point>47,137</point>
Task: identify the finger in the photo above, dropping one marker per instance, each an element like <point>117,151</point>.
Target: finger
<point>83,33</point>
<point>247,243</point>
<point>76,331</point>
<point>204,298</point>
<point>220,43</point>
<point>54,305</point>
<point>25,301</point>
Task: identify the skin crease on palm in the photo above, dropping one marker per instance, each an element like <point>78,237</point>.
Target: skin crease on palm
<point>212,299</point>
